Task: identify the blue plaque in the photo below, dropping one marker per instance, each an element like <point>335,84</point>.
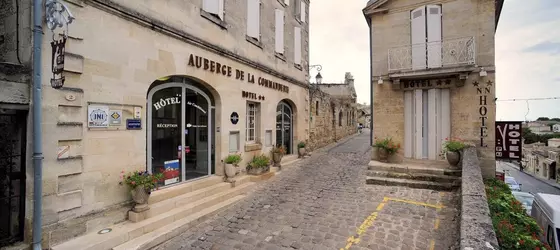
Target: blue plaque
<point>133,124</point>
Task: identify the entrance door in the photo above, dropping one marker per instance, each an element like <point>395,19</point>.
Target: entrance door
<point>179,132</point>
<point>12,175</point>
<point>284,133</point>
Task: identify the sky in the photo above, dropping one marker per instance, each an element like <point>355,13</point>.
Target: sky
<point>527,53</point>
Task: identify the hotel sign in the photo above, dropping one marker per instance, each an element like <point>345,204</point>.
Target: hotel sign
<point>227,71</point>
<point>425,84</point>
<point>508,140</point>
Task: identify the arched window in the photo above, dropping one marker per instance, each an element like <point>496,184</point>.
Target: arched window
<point>340,119</point>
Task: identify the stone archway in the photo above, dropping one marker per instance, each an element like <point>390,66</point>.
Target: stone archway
<point>180,126</point>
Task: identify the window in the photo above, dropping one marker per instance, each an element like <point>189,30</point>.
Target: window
<point>299,10</point>
<point>254,19</point>
<point>297,45</point>
<point>340,119</point>
<point>287,2</point>
<point>279,44</point>
<point>426,36</point>
<point>252,122</point>
<point>234,141</point>
<point>214,7</point>
<point>316,107</point>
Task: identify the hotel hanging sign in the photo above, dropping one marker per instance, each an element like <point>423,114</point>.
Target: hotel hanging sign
<point>58,48</point>
<point>508,140</point>
<point>227,71</point>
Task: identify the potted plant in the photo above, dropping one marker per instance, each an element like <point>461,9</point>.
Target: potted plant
<point>277,153</point>
<point>301,148</point>
<point>258,165</point>
<point>451,150</point>
<point>386,147</point>
<point>232,162</point>
<point>141,184</point>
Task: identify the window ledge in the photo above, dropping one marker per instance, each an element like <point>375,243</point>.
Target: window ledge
<point>298,66</point>
<point>254,41</point>
<point>280,56</point>
<point>253,147</point>
<point>213,18</point>
<point>282,3</point>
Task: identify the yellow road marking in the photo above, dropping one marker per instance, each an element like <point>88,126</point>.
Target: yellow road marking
<point>368,222</point>
<point>418,203</point>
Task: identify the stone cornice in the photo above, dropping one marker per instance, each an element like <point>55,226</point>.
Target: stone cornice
<point>159,26</point>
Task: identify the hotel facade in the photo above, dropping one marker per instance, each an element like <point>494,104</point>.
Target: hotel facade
<point>151,86</point>
<point>433,74</point>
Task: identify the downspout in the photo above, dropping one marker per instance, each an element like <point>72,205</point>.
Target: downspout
<point>37,119</point>
<point>371,92</point>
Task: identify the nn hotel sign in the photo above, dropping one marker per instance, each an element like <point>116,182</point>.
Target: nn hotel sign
<point>508,140</point>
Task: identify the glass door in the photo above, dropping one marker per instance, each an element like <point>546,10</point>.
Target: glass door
<point>179,135</point>
<point>196,135</point>
<point>284,126</point>
<point>166,134</point>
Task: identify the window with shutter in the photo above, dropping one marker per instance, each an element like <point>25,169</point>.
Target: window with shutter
<point>215,7</point>
<point>433,21</point>
<point>302,11</point>
<point>297,45</point>
<point>418,37</point>
<point>279,43</point>
<point>253,19</point>
<point>287,2</point>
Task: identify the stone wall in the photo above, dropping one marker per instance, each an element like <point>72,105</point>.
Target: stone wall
<point>477,231</point>
<point>324,123</point>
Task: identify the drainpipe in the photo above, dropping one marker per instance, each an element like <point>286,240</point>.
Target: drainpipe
<point>37,118</point>
<point>371,92</point>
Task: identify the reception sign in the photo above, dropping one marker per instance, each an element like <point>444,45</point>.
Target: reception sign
<point>509,136</point>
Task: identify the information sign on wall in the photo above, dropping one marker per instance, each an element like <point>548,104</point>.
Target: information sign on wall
<point>98,116</point>
<point>509,136</point>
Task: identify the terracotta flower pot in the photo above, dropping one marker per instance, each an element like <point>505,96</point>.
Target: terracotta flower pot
<point>453,158</point>
<point>140,196</point>
<point>383,154</point>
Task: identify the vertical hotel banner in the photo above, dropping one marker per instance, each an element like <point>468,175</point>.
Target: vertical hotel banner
<point>509,136</point>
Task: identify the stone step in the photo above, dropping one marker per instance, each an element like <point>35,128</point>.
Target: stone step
<point>402,168</point>
<point>181,200</point>
<point>171,230</point>
<point>181,189</point>
<point>414,176</point>
<point>412,183</point>
<point>126,231</point>
<point>289,159</point>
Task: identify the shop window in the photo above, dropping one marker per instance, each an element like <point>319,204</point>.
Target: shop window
<point>234,141</point>
<point>252,122</point>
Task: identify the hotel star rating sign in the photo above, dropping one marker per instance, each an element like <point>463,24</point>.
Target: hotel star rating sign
<point>115,117</point>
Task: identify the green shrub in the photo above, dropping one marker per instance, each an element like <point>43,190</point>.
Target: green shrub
<point>233,159</point>
<point>140,178</point>
<point>514,228</point>
<point>301,144</point>
<point>388,145</point>
<point>259,161</point>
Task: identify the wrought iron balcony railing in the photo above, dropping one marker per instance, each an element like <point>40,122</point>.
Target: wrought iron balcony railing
<point>446,53</point>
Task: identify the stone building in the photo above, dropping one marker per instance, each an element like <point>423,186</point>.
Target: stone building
<point>433,74</point>
<point>177,85</point>
<point>364,115</point>
<point>540,161</point>
<point>333,111</point>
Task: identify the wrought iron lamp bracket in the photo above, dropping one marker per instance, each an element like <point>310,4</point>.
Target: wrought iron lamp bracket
<point>56,18</point>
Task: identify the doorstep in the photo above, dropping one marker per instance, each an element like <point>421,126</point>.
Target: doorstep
<point>174,209</point>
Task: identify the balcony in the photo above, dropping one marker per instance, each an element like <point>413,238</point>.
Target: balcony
<point>432,55</point>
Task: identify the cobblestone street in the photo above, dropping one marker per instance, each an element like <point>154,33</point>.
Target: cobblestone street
<point>322,202</point>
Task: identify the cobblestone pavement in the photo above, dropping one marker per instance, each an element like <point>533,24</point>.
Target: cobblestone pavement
<point>322,202</point>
